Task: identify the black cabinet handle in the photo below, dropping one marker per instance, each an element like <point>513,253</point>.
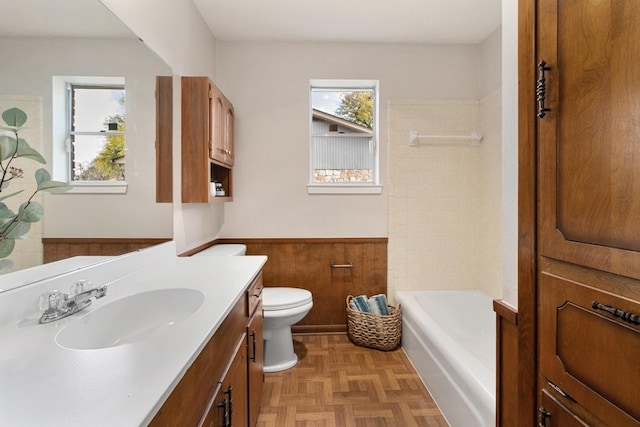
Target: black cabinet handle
<point>253,338</point>
<point>544,414</point>
<point>624,315</point>
<point>229,419</point>
<point>225,413</point>
<point>541,89</point>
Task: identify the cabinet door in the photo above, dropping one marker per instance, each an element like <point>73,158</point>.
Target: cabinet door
<point>217,125</point>
<point>217,410</point>
<point>229,405</point>
<point>255,347</point>
<point>589,201</point>
<point>229,136</point>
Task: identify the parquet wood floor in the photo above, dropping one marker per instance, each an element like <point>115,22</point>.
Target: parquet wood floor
<point>338,384</point>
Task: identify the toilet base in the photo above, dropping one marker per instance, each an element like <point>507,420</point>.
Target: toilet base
<point>278,350</point>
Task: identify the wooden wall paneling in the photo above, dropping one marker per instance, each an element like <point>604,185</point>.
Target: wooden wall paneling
<point>55,249</point>
<point>306,263</point>
<point>506,364</point>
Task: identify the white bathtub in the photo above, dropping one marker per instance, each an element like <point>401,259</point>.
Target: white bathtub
<point>449,336</point>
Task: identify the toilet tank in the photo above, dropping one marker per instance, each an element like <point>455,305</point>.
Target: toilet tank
<point>223,250</point>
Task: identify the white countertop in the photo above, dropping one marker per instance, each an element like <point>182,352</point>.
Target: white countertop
<point>44,384</point>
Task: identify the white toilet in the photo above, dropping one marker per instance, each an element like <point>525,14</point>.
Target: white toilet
<point>282,307</point>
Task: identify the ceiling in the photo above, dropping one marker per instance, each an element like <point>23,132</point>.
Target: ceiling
<point>380,21</point>
<point>67,18</point>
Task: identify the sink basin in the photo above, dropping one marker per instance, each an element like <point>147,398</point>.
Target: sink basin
<point>130,319</point>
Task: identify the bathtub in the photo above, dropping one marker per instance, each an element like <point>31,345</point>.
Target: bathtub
<point>449,336</point>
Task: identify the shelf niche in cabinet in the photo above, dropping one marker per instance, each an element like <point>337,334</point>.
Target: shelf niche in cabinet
<point>224,176</point>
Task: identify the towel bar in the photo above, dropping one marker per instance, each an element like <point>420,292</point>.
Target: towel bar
<point>334,265</point>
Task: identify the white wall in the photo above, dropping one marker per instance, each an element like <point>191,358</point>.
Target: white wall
<point>510,151</point>
<point>134,214</point>
<point>490,64</point>
<point>268,84</point>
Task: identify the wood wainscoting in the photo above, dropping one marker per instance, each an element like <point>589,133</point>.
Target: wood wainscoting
<point>506,364</point>
<point>359,267</point>
<point>55,249</point>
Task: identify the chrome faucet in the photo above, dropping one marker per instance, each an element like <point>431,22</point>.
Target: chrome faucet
<point>56,305</point>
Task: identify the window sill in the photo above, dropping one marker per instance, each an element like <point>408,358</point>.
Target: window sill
<point>344,189</point>
<point>119,187</point>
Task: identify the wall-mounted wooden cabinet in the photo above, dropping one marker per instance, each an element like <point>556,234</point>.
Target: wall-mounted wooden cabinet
<point>207,141</point>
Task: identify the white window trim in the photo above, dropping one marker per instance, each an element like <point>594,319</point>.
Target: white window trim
<point>347,188</point>
<point>61,161</point>
<point>97,187</point>
<point>366,188</point>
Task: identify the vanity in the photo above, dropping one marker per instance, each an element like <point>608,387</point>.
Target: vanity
<point>175,341</point>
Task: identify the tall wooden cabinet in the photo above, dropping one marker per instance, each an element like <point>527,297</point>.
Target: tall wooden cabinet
<point>208,120</point>
<point>586,56</point>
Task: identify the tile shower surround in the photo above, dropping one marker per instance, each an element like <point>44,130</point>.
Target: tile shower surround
<point>445,200</point>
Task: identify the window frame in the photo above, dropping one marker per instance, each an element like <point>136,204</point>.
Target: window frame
<point>373,187</point>
<point>62,166</point>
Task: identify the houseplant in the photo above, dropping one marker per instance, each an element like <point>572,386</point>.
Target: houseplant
<point>14,226</point>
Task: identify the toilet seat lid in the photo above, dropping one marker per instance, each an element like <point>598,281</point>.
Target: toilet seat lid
<point>283,298</point>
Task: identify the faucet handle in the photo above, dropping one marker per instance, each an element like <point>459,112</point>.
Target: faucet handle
<point>79,287</point>
<point>51,301</point>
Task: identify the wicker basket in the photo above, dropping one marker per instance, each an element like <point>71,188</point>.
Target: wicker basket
<point>373,330</point>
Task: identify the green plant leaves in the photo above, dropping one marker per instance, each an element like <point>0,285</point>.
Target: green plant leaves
<point>6,247</point>
<point>43,178</point>
<point>30,212</point>
<point>9,147</point>
<point>16,226</point>
<point>14,117</point>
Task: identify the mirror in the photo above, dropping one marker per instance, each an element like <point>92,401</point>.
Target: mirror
<point>40,40</point>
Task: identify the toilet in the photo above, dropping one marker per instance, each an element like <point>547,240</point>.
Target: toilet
<point>282,308</point>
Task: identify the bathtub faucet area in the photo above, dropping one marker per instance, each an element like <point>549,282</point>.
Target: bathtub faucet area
<point>56,305</point>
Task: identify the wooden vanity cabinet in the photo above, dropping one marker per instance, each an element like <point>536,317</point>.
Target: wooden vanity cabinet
<point>222,383</point>
<point>255,349</point>
<point>207,141</point>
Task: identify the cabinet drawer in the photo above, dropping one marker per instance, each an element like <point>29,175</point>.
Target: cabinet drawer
<point>590,353</point>
<point>254,295</point>
<point>554,414</point>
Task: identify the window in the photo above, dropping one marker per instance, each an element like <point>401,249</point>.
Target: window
<point>344,142</point>
<point>96,137</point>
